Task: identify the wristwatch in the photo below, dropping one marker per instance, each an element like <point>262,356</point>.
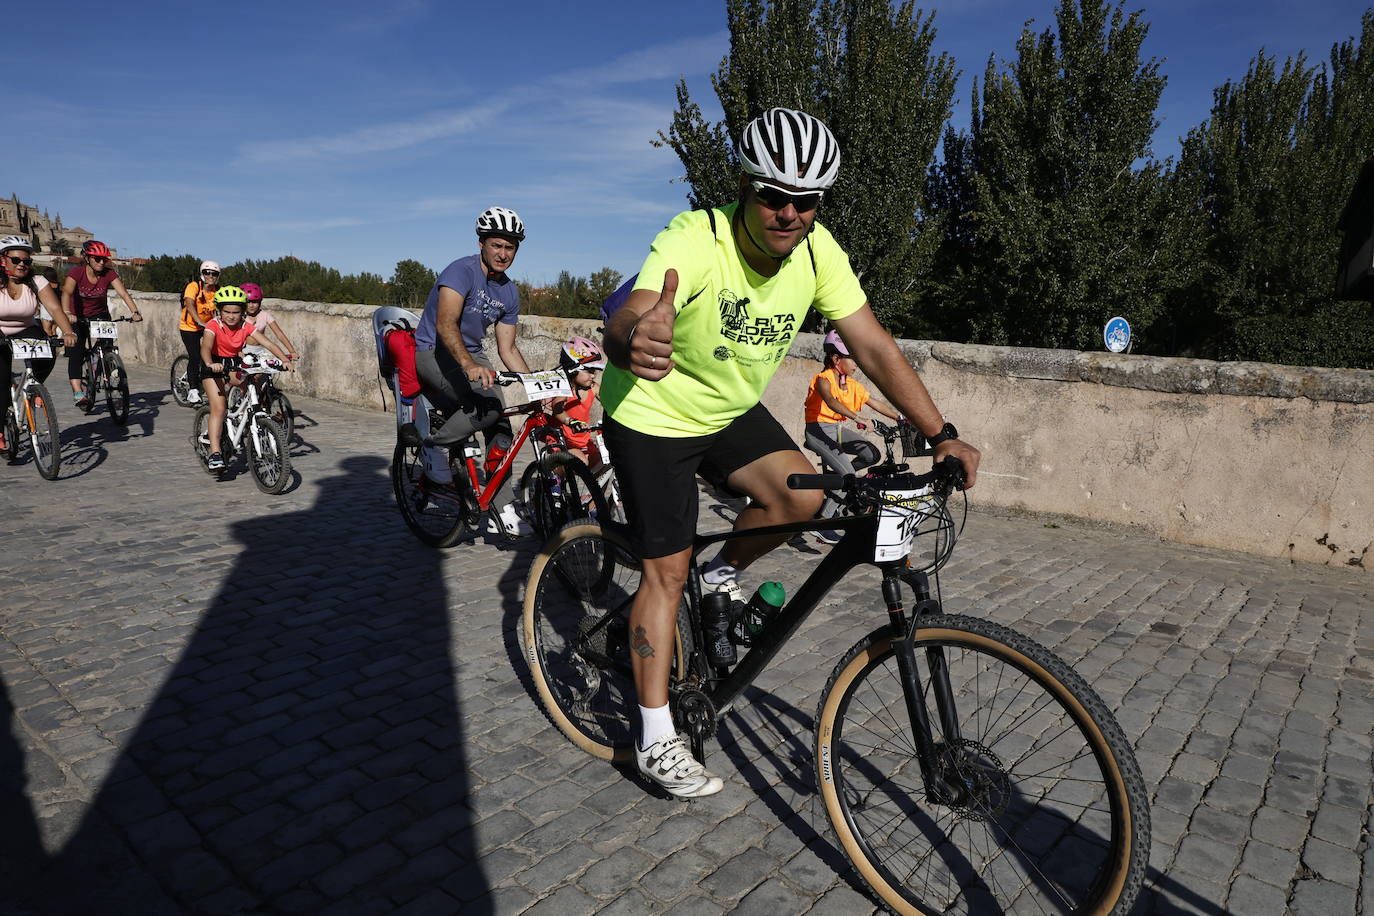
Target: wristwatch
<point>946,432</point>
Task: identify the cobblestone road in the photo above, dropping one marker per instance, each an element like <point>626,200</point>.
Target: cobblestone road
<point>215,701</point>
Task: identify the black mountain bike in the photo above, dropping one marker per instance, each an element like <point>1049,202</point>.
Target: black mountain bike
<point>104,371</point>
<point>963,767</point>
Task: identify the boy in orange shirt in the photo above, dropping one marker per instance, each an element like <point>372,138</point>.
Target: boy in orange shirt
<point>834,397</point>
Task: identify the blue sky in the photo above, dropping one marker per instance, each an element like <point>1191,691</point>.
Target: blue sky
<point>357,134</point>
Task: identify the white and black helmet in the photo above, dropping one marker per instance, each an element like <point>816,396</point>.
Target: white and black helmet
<point>500,221</point>
<point>790,147</point>
<point>16,241</point>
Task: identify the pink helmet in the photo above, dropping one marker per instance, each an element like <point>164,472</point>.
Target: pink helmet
<point>252,291</point>
<point>576,353</point>
<point>833,343</point>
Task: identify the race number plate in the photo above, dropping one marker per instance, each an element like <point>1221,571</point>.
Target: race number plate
<point>547,384</point>
<point>24,348</point>
<point>899,519</point>
<point>103,330</point>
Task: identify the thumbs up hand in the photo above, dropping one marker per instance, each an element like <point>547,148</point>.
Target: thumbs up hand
<point>651,343</point>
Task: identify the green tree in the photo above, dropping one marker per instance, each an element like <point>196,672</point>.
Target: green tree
<point>1274,165</point>
<point>410,285</point>
<point>58,245</point>
<point>1054,215</point>
<point>169,273</point>
<point>601,284</point>
<point>866,68</point>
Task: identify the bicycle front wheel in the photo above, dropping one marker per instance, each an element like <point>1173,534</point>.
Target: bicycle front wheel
<point>43,434</point>
<point>181,388</point>
<point>267,456</point>
<point>1037,805</point>
<point>116,389</point>
<point>577,639</point>
<point>435,514</point>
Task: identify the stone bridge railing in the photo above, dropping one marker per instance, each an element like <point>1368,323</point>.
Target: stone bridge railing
<point>1272,460</point>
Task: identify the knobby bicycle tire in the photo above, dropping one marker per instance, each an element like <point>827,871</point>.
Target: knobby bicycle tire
<point>181,388</point>
<point>116,389</point>
<point>439,520</point>
<point>44,436</point>
<point>278,407</point>
<point>11,450</point>
<point>576,638</point>
<point>90,385</point>
<point>268,459</point>
<point>200,437</point>
<point>1046,809</point>
<point>559,489</point>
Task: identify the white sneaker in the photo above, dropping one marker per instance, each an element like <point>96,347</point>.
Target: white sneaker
<point>509,522</point>
<point>669,763</point>
<point>193,397</point>
<point>727,586</point>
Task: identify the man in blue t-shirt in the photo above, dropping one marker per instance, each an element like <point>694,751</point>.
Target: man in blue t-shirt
<point>457,376</point>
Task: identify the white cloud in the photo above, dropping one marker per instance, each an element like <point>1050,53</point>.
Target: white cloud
<point>376,138</point>
<point>549,98</point>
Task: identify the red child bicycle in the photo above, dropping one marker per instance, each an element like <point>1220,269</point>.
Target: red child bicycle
<point>556,487</point>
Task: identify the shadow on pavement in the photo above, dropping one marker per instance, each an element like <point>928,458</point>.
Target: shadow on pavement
<point>306,750</point>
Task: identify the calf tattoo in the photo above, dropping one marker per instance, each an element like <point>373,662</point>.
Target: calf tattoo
<point>640,643</point>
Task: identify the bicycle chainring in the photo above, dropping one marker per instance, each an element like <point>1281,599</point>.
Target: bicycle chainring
<point>696,714</point>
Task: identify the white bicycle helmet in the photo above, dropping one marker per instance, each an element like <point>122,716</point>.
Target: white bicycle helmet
<point>11,242</point>
<point>500,221</point>
<point>790,147</point>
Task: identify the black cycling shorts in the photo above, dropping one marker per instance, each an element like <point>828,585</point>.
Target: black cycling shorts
<point>657,474</point>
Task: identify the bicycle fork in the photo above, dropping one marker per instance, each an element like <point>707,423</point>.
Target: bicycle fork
<point>934,775</point>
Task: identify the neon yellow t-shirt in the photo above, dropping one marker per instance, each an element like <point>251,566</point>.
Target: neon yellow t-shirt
<point>733,326</point>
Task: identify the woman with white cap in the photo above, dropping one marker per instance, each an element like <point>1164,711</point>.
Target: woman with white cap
<point>197,307</point>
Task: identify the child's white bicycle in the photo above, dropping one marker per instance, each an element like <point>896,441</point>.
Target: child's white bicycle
<point>249,428</point>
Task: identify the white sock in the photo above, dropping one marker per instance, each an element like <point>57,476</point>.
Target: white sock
<point>654,723</point>
<point>717,571</point>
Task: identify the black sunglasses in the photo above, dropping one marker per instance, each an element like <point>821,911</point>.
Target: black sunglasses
<point>27,262</point>
<point>776,198</point>
<point>210,273</point>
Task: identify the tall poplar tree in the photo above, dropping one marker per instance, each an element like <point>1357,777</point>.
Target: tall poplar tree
<point>867,69</point>
<point>1275,164</point>
<point>1054,213</point>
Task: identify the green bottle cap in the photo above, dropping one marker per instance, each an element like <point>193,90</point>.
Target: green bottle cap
<point>772,593</point>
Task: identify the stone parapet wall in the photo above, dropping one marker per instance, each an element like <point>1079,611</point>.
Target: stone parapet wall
<point>1272,460</point>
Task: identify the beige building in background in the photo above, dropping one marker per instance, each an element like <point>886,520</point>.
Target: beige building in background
<point>17,218</point>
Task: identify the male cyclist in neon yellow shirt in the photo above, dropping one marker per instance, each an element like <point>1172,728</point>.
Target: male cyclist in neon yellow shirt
<point>713,313</point>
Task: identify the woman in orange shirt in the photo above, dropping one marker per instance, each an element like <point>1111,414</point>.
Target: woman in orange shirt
<point>834,397</point>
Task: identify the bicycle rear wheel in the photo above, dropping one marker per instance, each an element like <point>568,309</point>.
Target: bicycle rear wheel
<point>576,638</point>
<point>267,455</point>
<point>200,437</point>
<point>278,407</point>
<point>181,388</point>
<point>1038,804</point>
<point>43,433</point>
<point>116,388</point>
<point>90,385</point>
<point>558,489</point>
<point>436,515</point>
<point>11,450</point>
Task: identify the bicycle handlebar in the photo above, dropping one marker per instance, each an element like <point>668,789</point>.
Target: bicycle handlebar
<point>948,474</point>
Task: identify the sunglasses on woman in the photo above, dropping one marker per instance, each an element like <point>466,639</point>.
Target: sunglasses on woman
<point>27,262</point>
